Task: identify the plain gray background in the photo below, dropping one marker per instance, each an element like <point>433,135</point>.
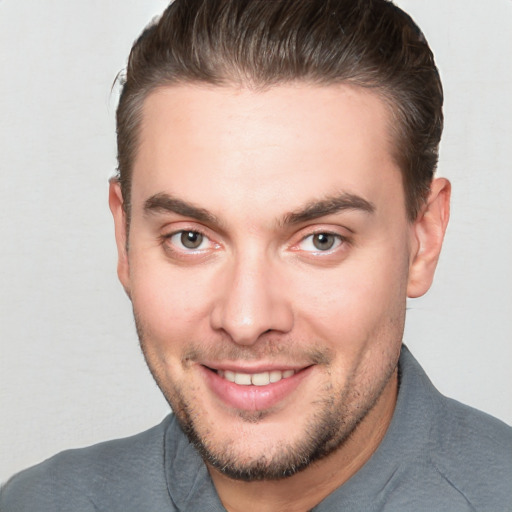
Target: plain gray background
<point>71,373</point>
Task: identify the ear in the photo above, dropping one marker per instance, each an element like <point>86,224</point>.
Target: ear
<point>115,201</point>
<point>428,233</point>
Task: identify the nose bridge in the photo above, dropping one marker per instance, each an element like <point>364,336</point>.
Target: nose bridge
<point>253,300</point>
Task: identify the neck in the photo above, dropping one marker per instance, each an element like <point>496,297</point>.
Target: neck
<point>304,490</point>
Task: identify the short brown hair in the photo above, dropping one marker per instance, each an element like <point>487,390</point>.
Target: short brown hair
<point>261,43</point>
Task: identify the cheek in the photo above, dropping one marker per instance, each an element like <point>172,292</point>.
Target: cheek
<point>170,304</point>
<point>360,303</point>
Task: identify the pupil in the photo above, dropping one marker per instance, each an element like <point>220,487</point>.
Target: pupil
<point>191,239</point>
<point>323,241</point>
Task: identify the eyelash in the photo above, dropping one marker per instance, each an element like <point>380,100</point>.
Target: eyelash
<point>166,241</point>
<point>339,240</point>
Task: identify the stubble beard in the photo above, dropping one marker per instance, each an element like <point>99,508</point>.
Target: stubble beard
<point>335,419</point>
<point>322,435</point>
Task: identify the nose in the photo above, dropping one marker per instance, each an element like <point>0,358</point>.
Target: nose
<point>252,301</point>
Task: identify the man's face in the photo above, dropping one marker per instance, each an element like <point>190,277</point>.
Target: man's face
<point>269,246</point>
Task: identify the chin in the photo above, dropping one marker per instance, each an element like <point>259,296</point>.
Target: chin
<point>259,445</point>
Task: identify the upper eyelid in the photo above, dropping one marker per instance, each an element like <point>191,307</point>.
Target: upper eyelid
<point>328,230</point>
<point>327,227</point>
<point>168,231</point>
<point>324,232</point>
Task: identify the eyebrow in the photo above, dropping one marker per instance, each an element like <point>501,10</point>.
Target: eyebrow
<point>165,203</point>
<point>329,206</point>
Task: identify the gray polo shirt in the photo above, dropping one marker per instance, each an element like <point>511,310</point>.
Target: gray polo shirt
<point>438,455</point>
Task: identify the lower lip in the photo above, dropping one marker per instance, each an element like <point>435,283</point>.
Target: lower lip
<point>253,398</point>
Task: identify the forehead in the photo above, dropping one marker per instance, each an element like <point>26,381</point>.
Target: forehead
<point>265,148</point>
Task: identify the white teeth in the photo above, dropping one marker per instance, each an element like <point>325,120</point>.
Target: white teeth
<point>229,376</point>
<point>261,379</point>
<point>243,379</point>
<point>256,379</point>
<point>275,376</point>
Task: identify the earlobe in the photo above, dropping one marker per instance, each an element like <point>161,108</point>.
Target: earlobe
<point>429,229</point>
<point>115,201</point>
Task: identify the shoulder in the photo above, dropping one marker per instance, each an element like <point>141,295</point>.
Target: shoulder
<point>474,429</point>
<point>93,478</point>
<point>454,451</point>
<point>473,452</point>
<point>457,429</point>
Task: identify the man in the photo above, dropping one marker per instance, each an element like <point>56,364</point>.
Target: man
<point>275,206</point>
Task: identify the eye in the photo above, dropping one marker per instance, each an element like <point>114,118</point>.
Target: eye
<point>192,240</point>
<point>321,242</point>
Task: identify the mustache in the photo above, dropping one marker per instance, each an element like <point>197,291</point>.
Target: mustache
<point>264,350</point>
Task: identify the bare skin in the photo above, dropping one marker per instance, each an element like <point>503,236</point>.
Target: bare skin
<point>269,237</point>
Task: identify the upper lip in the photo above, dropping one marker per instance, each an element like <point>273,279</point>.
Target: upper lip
<point>251,369</point>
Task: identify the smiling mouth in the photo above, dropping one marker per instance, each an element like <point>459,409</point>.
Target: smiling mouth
<point>254,389</point>
<point>255,379</point>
